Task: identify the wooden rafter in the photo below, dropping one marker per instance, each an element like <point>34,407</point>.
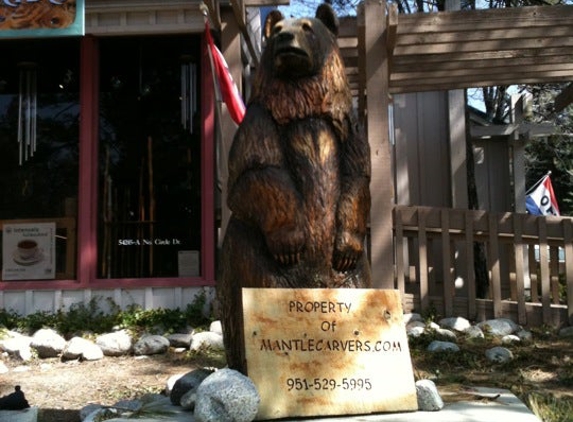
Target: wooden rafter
<point>462,49</point>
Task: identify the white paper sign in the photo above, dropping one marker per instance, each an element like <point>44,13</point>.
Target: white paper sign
<point>29,251</point>
<point>188,263</point>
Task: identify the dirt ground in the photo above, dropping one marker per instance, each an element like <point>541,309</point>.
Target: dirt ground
<point>61,389</point>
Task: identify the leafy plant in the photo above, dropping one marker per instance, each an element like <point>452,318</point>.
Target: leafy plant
<point>550,408</point>
<point>101,315</point>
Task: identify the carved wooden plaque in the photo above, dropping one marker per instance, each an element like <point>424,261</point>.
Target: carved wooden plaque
<point>319,352</point>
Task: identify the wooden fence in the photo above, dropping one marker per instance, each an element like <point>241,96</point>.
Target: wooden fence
<point>523,264</point>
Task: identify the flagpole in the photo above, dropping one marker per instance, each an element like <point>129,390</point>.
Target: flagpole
<point>219,161</point>
<point>536,184</point>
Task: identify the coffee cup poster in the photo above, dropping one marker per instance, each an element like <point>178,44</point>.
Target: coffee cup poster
<point>28,251</point>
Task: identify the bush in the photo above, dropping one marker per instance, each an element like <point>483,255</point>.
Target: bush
<point>101,315</point>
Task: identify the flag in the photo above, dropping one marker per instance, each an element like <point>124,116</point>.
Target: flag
<point>542,200</point>
<point>222,76</point>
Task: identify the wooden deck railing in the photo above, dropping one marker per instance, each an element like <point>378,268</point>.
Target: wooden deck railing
<point>522,263</point>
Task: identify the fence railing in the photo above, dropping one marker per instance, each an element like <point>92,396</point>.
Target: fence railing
<point>481,265</point>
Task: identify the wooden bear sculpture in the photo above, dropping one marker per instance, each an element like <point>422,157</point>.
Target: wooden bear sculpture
<point>299,175</point>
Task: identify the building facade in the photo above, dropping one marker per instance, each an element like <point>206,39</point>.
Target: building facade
<point>107,174</point>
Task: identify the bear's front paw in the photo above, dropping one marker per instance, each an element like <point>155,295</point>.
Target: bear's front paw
<point>347,252</point>
<point>344,261</point>
<point>286,245</point>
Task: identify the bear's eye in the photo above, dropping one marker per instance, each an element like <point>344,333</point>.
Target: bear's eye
<point>276,29</point>
<point>307,27</point>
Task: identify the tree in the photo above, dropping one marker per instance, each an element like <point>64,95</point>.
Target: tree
<point>554,153</point>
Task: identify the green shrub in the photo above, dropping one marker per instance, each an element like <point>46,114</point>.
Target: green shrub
<point>101,315</point>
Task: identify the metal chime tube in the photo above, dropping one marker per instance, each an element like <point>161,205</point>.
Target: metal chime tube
<point>27,111</point>
<point>188,98</point>
<point>20,101</point>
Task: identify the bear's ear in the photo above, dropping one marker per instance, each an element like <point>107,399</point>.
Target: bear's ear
<point>325,13</point>
<point>272,18</point>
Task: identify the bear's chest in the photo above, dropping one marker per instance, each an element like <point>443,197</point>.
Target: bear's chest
<point>312,147</point>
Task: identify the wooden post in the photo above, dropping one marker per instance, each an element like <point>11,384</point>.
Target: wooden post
<point>518,152</point>
<point>520,254</point>
<point>457,123</point>
<point>568,240</point>
<point>377,129</point>
<point>494,265</point>
<point>449,288</point>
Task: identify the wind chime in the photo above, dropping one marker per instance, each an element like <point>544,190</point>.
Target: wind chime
<point>27,107</point>
<point>188,89</point>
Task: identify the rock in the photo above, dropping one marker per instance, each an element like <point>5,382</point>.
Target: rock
<point>24,354</point>
<point>226,396</point>
<point>499,326</point>
<point>509,339</point>
<point>188,382</point>
<point>15,343</point>
<point>442,346</point>
<point>180,340</point>
<point>474,333</point>
<point>92,352</point>
<point>446,335</point>
<point>216,327</point>
<point>566,332</point>
<point>188,400</point>
<point>524,335</point>
<point>171,382</point>
<point>151,345</point>
<point>499,354</point>
<point>3,368</point>
<point>118,343</point>
<point>79,347</point>
<point>428,397</point>
<point>48,343</point>
<point>432,326</point>
<point>455,323</point>
<point>415,331</point>
<point>207,340</point>
<point>408,318</point>
<point>90,408</point>
<point>128,405</point>
<point>415,324</point>
<point>101,414</point>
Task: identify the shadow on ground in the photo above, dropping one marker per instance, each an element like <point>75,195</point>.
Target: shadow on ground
<point>58,415</point>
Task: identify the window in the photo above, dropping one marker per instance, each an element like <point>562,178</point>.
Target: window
<point>149,158</point>
<point>39,132</point>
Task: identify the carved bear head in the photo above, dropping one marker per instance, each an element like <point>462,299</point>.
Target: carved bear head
<point>302,73</point>
<point>299,47</point>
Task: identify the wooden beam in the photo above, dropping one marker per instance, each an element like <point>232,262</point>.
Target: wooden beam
<point>391,27</point>
<point>564,98</point>
<point>523,128</point>
<point>239,11</point>
<point>377,128</point>
<point>265,3</point>
<point>487,19</point>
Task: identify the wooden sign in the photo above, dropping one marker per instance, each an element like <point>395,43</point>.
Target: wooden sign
<point>319,352</point>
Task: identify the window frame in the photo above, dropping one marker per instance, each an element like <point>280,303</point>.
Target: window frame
<point>86,254</point>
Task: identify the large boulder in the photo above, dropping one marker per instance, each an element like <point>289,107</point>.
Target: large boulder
<point>48,343</point>
<point>226,396</point>
<point>118,343</point>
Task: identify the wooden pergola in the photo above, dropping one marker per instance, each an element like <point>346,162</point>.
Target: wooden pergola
<point>386,53</point>
<point>447,51</point>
